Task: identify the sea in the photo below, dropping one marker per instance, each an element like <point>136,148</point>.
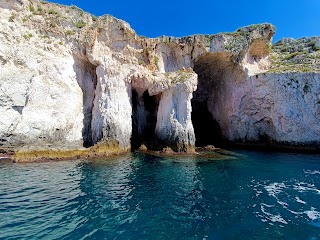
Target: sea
<point>252,195</point>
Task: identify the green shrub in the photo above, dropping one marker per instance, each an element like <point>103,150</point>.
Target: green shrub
<point>292,55</point>
<point>39,10</point>
<point>69,32</point>
<point>80,24</point>
<point>284,49</point>
<point>27,36</point>
<point>315,48</point>
<point>305,69</point>
<point>24,20</point>
<point>208,41</point>
<point>142,63</point>
<point>31,8</point>
<point>156,60</point>
<point>11,18</point>
<point>51,11</point>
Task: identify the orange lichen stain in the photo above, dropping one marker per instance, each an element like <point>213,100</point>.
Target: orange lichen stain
<point>98,150</point>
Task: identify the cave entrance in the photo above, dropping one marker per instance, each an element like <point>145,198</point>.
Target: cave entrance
<point>206,129</point>
<point>87,80</point>
<point>209,107</point>
<point>144,119</point>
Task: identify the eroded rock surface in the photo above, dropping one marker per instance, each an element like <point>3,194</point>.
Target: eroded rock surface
<point>70,80</point>
<point>67,80</point>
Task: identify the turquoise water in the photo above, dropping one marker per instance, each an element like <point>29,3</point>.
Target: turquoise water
<point>257,196</point>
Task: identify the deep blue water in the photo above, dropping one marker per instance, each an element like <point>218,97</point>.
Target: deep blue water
<point>258,196</point>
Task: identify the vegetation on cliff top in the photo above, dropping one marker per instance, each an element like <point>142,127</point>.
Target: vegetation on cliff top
<point>287,55</point>
<point>301,55</point>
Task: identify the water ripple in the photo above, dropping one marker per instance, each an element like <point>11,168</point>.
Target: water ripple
<point>260,196</point>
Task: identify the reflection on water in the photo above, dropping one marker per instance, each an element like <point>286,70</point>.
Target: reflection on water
<point>136,196</point>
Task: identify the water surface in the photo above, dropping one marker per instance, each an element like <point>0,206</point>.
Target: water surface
<point>258,196</point>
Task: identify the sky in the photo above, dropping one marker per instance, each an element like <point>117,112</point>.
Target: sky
<point>295,18</point>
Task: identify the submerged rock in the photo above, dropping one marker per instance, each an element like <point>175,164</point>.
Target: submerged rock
<point>70,81</point>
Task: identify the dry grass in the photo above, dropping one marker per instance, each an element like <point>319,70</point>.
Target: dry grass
<point>259,49</point>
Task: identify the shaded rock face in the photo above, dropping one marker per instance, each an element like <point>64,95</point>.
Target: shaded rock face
<point>263,108</point>
<point>216,71</point>
<point>288,109</point>
<point>70,80</point>
<point>87,79</point>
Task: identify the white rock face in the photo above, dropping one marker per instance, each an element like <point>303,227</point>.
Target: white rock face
<point>174,123</point>
<point>253,67</point>
<point>68,79</point>
<point>112,110</point>
<point>41,101</point>
<point>74,86</point>
<point>251,105</point>
<point>281,107</point>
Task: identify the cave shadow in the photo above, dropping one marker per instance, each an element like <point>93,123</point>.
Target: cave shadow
<point>87,79</point>
<point>144,119</point>
<point>214,70</point>
<point>207,130</point>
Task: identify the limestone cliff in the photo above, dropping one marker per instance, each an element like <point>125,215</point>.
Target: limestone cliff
<point>72,82</point>
<point>270,96</point>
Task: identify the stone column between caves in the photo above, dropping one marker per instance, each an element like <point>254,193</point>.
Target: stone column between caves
<point>111,115</point>
<point>174,126</point>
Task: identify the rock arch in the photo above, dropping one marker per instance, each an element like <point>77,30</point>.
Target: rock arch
<point>210,106</point>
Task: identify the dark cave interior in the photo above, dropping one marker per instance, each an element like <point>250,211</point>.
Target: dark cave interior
<point>214,70</point>
<point>87,80</point>
<point>144,119</point>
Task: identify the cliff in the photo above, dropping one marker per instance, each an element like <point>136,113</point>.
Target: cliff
<point>72,84</point>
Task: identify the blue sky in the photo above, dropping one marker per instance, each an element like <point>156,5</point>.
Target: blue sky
<point>180,18</point>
